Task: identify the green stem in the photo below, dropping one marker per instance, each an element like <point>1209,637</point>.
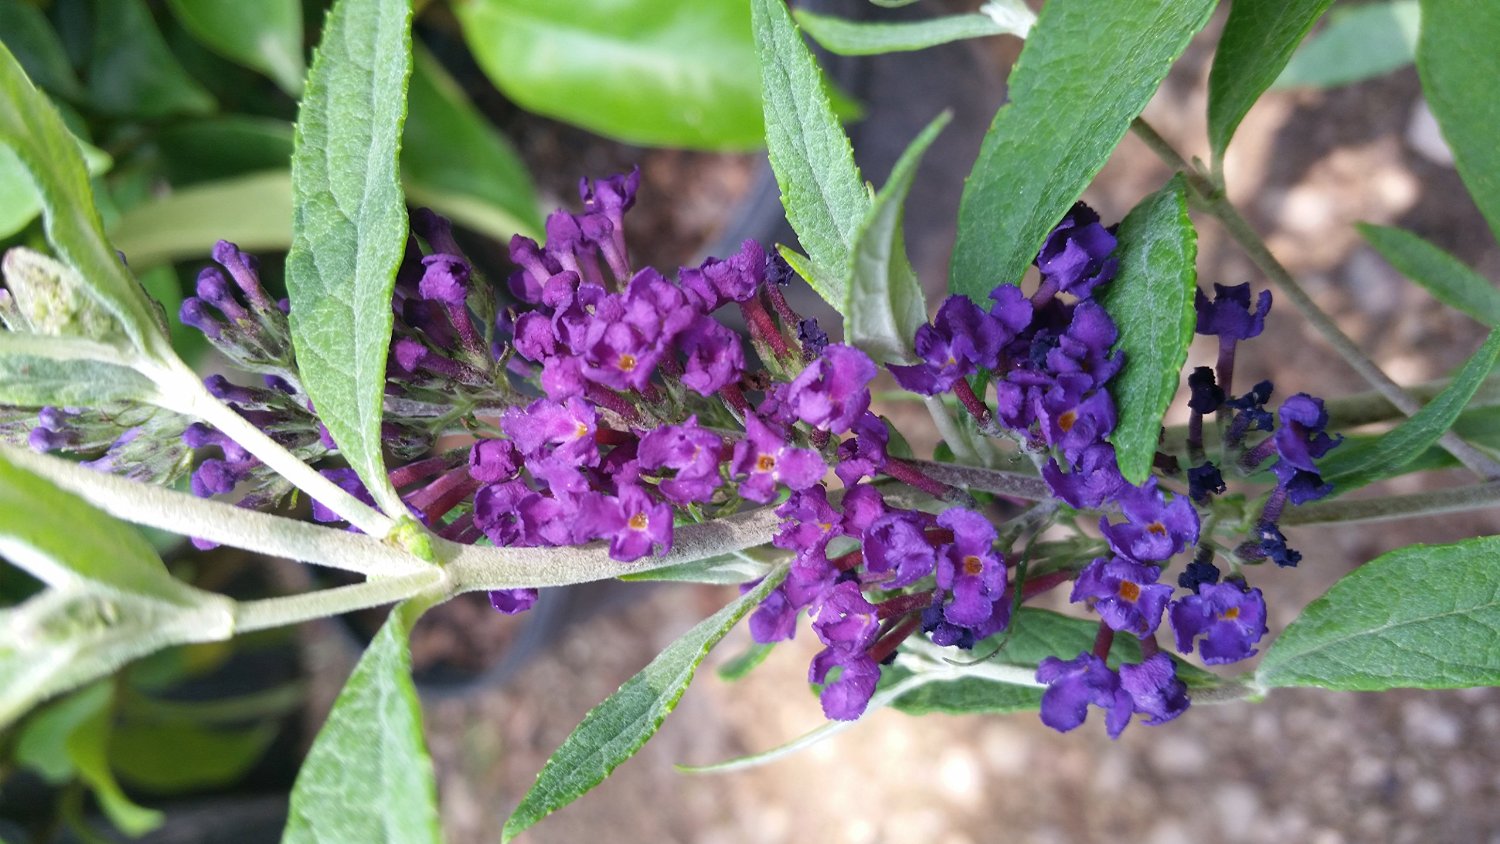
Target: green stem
<point>216,521</point>
<point>999,481</point>
<point>184,393</point>
<point>293,609</point>
<point>963,448</point>
<point>1391,507</point>
<point>1211,197</point>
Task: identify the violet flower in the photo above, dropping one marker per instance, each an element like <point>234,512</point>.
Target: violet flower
<point>1073,685</point>
<point>1229,618</point>
<point>1125,594</point>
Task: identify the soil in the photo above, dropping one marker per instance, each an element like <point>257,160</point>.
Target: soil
<point>1311,766</point>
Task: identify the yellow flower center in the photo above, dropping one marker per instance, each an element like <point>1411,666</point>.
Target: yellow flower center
<point>973,565</point>
<point>639,521</point>
<point>627,362</point>
<point>765,463</point>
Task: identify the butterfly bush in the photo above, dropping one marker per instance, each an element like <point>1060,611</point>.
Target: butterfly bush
<point>590,400</point>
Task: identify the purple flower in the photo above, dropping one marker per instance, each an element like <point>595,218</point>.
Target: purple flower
<point>1071,419</point>
<point>961,338</point>
<point>969,569</point>
<point>863,505</point>
<point>445,279</point>
<point>715,357</point>
<point>694,453</point>
<point>1272,543</point>
<point>1197,573</point>
<point>764,460</point>
<point>1205,394</point>
<point>1300,441</point>
<point>1229,314</point>
<point>1205,481</point>
<point>1095,477</point>
<point>775,620</point>
<point>633,523</point>
<point>864,454</point>
<point>809,522</point>
<point>1154,688</point>
<point>1125,593</point>
<point>846,698</point>
<point>734,279</point>
<point>1076,257</point>
<point>847,624</point>
<point>1074,684</point>
<point>1155,528</point>
<point>493,460</point>
<point>842,618</point>
<point>561,428</point>
<point>1230,619</point>
<point>896,542</point>
<point>833,391</point>
<point>347,480</point>
<point>1250,413</point>
<point>513,601</point>
<point>1085,346</point>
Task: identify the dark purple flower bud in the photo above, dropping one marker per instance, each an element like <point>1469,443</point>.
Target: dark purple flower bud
<point>694,453</point>
<point>812,337</point>
<point>1077,256</point>
<point>1156,527</point>
<point>715,356</point>
<point>195,313</point>
<point>1250,413</point>
<point>1205,481</point>
<point>896,542</point>
<point>764,460</point>
<point>1125,594</point>
<point>1155,689</point>
<point>445,279</point>
<point>536,268</point>
<point>864,454</point>
<point>1229,314</point>
<point>1197,573</point>
<point>614,195</point>
<point>1230,619</point>
<point>245,270</point>
<point>217,477</point>
<point>1272,542</point>
<point>969,569</point>
<point>347,480</point>
<point>1302,437</point>
<point>834,390</point>
<point>1204,394</point>
<point>1074,684</point>
<point>213,288</point>
<point>1095,477</point>
<point>493,460</point>
<point>513,601</point>
<point>534,337</point>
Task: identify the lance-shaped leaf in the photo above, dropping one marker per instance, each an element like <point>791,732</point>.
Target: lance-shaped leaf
<point>132,72</point>
<point>457,164</point>
<point>1459,63</point>
<point>615,729</point>
<point>41,371</point>
<point>857,38</point>
<point>1258,40</point>
<point>35,132</point>
<point>1151,301</point>
<point>368,776</point>
<point>264,36</point>
<point>349,225</point>
<point>111,599</point>
<point>1357,43</point>
<point>1088,69</point>
<point>1354,465</point>
<point>1444,276</point>
<point>885,305</point>
<point>1424,616</point>
<point>26,31</point>
<point>254,212</point>
<point>658,72</point>
<point>821,188</point>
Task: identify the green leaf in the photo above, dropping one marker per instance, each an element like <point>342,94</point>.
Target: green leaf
<point>178,758</point>
<point>22,202</point>
<point>41,371</point>
<point>1459,63</point>
<point>264,36</point>
<point>857,38</point>
<point>368,776</point>
<point>349,226</point>
<point>885,305</point>
<point>1444,276</point>
<point>1151,300</point>
<point>1424,616</point>
<point>220,147</point>
<point>653,72</point>
<point>255,212</point>
<point>1258,39</point>
<point>132,73</point>
<point>1087,70</point>
<point>25,30</point>
<point>88,749</point>
<point>740,666</point>
<point>67,543</point>
<point>1359,42</point>
<point>729,569</point>
<point>42,744</point>
<point>457,164</point>
<point>824,195</point>
<point>615,729</point>
<point>35,132</point>
<point>1351,467</point>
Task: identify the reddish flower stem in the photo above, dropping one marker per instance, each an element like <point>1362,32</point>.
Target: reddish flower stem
<point>763,328</point>
<point>611,400</point>
<point>973,403</point>
<point>1035,586</point>
<point>735,398</point>
<point>903,604</point>
<point>1103,640</point>
<point>889,642</point>
<point>913,477</point>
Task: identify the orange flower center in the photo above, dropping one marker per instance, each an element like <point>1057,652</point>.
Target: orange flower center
<point>1129,591</point>
<point>1230,614</point>
<point>973,565</point>
<point>639,521</point>
<point>1157,528</point>
<point>1067,421</point>
<point>765,463</point>
<point>581,431</point>
<point>627,362</point>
